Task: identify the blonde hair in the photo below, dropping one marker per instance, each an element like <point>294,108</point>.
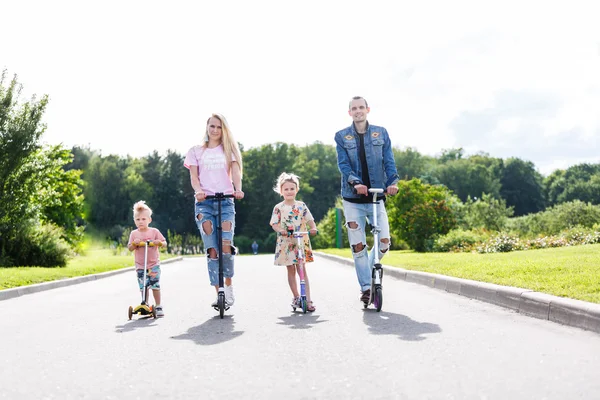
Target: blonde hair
<point>140,207</point>
<point>285,177</point>
<point>230,146</point>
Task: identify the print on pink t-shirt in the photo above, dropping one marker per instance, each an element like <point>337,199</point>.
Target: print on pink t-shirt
<point>212,169</point>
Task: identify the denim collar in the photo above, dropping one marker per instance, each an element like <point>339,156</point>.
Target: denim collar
<point>354,128</point>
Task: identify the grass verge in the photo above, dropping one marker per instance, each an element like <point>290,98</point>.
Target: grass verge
<point>572,272</point>
<point>94,261</point>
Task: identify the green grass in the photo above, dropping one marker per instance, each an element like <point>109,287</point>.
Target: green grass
<point>572,272</point>
<point>94,261</point>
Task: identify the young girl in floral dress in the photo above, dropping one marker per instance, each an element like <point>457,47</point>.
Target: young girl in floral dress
<point>292,215</point>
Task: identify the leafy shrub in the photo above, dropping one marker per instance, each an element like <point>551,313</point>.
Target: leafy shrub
<point>459,240</point>
<point>501,243</point>
<point>36,245</point>
<point>486,212</point>
<point>556,219</point>
<point>580,235</point>
<point>419,213</point>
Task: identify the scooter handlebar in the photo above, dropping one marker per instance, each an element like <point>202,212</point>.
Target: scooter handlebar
<point>302,233</point>
<point>220,196</point>
<point>149,242</point>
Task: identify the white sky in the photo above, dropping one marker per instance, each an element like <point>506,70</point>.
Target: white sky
<point>509,78</point>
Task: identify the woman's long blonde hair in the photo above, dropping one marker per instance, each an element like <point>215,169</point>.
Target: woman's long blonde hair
<point>230,146</point>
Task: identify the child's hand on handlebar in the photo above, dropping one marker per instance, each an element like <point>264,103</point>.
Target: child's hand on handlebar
<point>157,243</point>
<point>313,232</point>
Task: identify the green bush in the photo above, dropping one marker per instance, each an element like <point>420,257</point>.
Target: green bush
<point>459,240</point>
<point>501,243</point>
<point>36,245</point>
<point>581,235</point>
<point>486,212</point>
<point>420,212</point>
<point>556,219</point>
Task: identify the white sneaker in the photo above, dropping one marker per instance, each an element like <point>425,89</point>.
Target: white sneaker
<point>229,297</point>
<point>159,312</point>
<point>215,303</point>
<point>296,302</point>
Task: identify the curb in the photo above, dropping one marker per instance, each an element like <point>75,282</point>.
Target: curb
<point>40,287</point>
<point>576,313</point>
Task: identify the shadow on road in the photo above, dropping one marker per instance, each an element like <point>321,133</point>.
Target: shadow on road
<point>134,324</point>
<point>300,321</point>
<point>213,331</point>
<point>386,323</point>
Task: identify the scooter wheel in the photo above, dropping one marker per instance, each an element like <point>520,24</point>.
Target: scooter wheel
<point>304,305</point>
<point>378,300</point>
<point>130,313</point>
<point>221,305</point>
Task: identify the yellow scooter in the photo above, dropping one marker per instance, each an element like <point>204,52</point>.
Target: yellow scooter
<point>144,308</point>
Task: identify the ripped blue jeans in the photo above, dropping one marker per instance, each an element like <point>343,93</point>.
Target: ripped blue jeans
<point>360,213</point>
<point>207,210</point>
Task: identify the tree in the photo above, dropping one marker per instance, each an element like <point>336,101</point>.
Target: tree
<point>579,182</point>
<point>586,191</point>
<point>522,187</point>
<point>262,166</point>
<point>468,177</point>
<point>20,131</point>
<point>106,192</point>
<point>412,164</point>
<point>319,177</point>
<point>40,202</point>
<point>60,194</point>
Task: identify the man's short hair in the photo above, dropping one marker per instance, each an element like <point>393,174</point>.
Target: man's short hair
<point>357,98</point>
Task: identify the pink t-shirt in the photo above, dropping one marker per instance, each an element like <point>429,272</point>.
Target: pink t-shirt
<point>153,253</point>
<point>212,169</point>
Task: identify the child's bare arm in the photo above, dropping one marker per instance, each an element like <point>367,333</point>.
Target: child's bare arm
<point>276,228</point>
<point>313,227</point>
<point>133,245</point>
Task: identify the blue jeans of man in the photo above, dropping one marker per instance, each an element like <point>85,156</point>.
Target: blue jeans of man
<point>360,213</point>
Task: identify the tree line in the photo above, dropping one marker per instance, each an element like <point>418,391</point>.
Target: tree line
<point>49,195</point>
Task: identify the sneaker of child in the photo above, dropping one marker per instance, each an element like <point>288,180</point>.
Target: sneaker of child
<point>296,302</point>
<point>159,311</point>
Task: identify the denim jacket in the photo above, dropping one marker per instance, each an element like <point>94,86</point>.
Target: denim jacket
<point>379,155</point>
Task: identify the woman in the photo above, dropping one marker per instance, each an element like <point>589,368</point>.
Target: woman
<point>216,167</point>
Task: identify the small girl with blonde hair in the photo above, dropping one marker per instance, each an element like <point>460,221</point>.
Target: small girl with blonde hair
<point>142,216</point>
<point>292,215</point>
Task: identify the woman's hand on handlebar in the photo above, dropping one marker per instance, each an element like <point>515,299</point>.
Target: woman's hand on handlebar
<point>238,194</point>
<point>200,196</point>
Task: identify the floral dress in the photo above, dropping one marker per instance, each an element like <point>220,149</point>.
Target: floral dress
<point>291,216</point>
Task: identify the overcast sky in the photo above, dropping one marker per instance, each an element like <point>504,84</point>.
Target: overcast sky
<point>509,78</point>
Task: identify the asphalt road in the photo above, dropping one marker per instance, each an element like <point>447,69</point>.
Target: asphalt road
<point>76,343</point>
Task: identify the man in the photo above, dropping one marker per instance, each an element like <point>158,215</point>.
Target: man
<point>366,160</point>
